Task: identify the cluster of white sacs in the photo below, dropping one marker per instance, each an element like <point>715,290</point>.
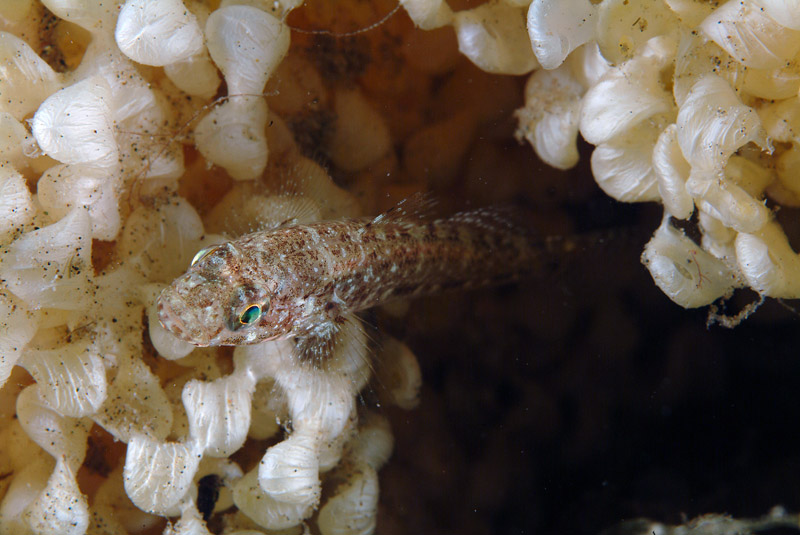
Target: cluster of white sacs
<point>690,103</point>
<point>92,152</point>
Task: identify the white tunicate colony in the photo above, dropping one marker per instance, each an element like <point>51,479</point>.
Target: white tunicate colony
<point>247,44</point>
<point>692,105</point>
<point>92,149</point>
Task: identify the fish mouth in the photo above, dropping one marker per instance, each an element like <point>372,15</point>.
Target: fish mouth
<point>176,325</point>
<point>170,320</point>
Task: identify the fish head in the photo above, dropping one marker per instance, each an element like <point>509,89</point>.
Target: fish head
<point>216,302</point>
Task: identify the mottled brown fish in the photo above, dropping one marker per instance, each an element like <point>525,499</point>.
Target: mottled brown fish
<point>306,280</point>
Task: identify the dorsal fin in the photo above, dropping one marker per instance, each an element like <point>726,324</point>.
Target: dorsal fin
<point>298,176</point>
<point>493,219</point>
<point>289,210</point>
<point>418,206</point>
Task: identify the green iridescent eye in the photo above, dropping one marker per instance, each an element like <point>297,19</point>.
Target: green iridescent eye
<point>250,315</point>
<point>201,254</point>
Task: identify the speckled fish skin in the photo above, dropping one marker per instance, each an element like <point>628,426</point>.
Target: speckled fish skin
<point>309,277</point>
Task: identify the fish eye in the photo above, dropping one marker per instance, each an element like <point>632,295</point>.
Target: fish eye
<point>250,315</point>
<point>202,253</point>
<point>248,305</point>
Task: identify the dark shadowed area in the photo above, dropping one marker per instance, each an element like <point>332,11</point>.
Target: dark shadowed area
<point>569,403</point>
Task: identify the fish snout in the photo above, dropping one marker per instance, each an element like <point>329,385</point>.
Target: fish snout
<point>169,319</point>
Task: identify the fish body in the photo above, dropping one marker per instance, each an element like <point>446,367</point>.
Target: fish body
<point>304,280</point>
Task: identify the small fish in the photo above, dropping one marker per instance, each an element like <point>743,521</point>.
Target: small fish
<point>305,281</point>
